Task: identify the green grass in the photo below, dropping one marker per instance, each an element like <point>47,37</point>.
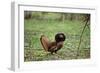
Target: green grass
<point>33,51</point>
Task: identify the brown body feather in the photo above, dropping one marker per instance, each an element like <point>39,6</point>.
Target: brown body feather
<point>50,46</point>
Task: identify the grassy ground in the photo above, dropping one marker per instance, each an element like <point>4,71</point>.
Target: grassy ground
<point>33,29</point>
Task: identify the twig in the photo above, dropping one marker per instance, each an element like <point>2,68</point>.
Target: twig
<point>81,39</point>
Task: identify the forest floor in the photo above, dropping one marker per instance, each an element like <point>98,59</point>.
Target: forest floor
<point>33,29</point>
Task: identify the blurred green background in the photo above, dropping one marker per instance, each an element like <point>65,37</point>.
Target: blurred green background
<point>50,23</point>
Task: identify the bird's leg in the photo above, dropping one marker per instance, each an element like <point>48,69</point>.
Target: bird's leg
<point>55,51</point>
<point>52,52</point>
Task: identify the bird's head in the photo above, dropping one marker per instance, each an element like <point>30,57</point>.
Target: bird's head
<point>60,37</point>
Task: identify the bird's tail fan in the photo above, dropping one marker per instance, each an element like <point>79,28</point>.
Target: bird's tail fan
<point>45,42</point>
